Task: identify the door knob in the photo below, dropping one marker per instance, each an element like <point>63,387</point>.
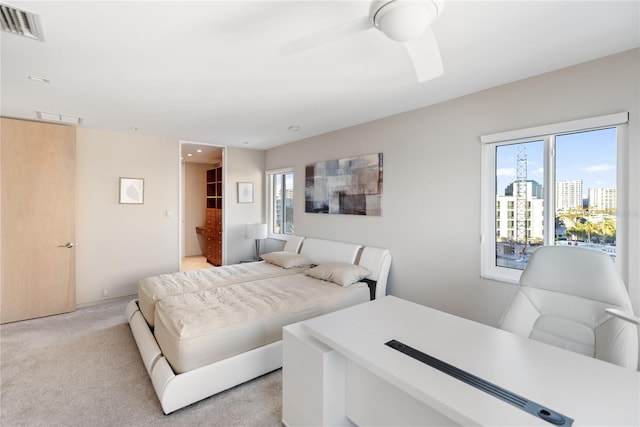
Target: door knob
<point>67,245</point>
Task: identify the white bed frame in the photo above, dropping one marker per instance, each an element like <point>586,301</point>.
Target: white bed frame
<point>176,391</point>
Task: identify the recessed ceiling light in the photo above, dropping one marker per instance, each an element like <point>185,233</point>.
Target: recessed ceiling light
<point>39,79</point>
<point>199,150</point>
<point>293,128</point>
<point>189,155</point>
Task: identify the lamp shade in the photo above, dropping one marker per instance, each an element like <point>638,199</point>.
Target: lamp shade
<point>256,231</point>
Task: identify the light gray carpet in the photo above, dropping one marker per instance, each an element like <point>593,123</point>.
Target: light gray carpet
<point>84,369</point>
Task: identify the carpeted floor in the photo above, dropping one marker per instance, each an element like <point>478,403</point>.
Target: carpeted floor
<point>84,369</point>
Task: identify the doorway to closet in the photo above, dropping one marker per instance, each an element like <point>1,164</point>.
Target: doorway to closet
<point>202,205</point>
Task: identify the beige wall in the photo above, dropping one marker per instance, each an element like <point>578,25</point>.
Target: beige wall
<point>119,244</point>
<point>432,170</point>
<point>243,165</point>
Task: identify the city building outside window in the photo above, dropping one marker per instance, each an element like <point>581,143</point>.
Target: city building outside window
<point>565,175</point>
<point>280,200</point>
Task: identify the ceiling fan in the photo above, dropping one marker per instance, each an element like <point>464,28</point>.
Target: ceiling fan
<point>405,21</point>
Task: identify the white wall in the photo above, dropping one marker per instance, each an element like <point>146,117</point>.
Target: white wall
<point>242,165</point>
<point>119,244</point>
<point>432,170</point>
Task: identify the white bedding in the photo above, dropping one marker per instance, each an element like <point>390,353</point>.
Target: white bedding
<point>176,389</point>
<point>199,328</point>
<point>152,289</point>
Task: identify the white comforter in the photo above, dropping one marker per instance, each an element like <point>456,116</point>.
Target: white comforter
<point>152,289</point>
<point>199,328</point>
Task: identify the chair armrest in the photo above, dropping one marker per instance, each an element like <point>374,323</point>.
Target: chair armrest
<point>629,317</point>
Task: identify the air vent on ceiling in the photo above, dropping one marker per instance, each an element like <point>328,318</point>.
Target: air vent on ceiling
<point>57,117</point>
<point>20,22</point>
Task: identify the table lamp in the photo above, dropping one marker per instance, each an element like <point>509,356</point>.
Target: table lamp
<point>257,232</point>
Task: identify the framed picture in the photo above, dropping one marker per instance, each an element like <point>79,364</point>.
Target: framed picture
<point>132,191</point>
<point>350,186</point>
<point>245,192</point>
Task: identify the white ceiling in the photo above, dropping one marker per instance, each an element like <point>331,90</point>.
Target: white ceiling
<point>213,72</point>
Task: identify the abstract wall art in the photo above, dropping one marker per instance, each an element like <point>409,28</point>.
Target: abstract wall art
<point>351,186</point>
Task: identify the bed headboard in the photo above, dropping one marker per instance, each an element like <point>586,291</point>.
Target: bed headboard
<point>377,260</point>
<point>321,251</point>
<point>294,243</point>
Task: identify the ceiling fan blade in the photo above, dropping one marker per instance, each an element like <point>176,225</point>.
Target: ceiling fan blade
<point>336,33</point>
<point>425,56</point>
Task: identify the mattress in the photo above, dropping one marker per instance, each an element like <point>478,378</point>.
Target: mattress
<point>200,328</point>
<point>152,289</point>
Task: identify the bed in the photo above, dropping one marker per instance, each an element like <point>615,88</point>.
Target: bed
<point>154,288</point>
<point>212,339</point>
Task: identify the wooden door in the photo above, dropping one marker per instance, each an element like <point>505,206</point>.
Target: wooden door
<point>37,219</point>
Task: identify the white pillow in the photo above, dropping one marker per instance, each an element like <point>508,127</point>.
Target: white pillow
<point>339,273</point>
<point>286,259</point>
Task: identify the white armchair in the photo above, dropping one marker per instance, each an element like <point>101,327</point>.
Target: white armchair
<point>574,298</point>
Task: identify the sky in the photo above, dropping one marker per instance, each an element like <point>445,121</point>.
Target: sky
<point>589,156</point>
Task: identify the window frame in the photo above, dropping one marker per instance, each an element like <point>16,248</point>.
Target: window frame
<point>270,201</point>
<point>547,134</point>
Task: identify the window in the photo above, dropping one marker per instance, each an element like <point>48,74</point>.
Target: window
<point>280,200</point>
<point>565,175</point>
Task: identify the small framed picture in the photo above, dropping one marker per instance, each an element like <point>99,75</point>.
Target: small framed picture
<point>245,192</point>
<point>132,191</point>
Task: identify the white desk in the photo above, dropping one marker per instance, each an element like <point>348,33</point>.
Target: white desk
<point>355,378</point>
